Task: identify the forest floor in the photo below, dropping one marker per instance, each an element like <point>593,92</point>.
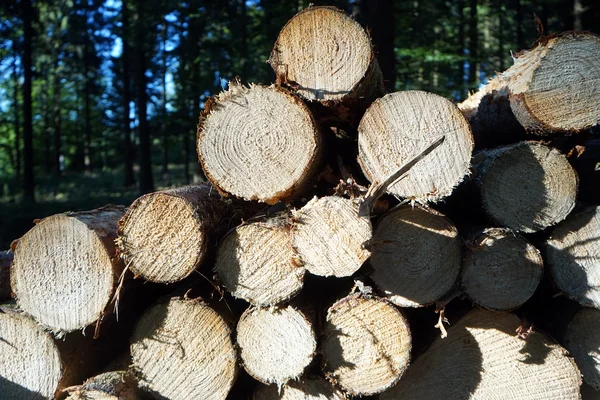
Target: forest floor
<point>71,192</point>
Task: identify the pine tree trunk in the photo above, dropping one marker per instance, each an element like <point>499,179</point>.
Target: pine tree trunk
<point>16,111</point>
<point>28,180</point>
<point>127,148</point>
<point>65,269</point>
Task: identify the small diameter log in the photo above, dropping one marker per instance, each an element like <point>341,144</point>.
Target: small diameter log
<point>329,235</point>
<point>581,339</point>
<point>573,253</point>
<point>501,269</point>
<point>416,256</point>
<point>30,362</point>
<point>114,385</point>
<point>258,143</point>
<point>527,186</point>
<point>305,389</point>
<point>276,345</point>
<point>6,258</point>
<point>398,126</point>
<point>164,236</point>
<point>327,56</point>
<point>182,349</point>
<point>483,358</point>
<point>366,345</point>
<point>256,262</point>
<point>65,269</point>
<point>554,87</point>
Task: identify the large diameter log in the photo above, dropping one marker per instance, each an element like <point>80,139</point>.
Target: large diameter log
<point>256,262</point>
<point>65,269</point>
<point>114,385</point>
<point>554,87</point>
<point>366,345</point>
<point>258,143</point>
<point>329,236</point>
<point>164,236</point>
<point>305,389</point>
<point>6,258</point>
<point>276,345</point>
<point>416,256</point>
<point>182,349</point>
<point>483,358</point>
<point>573,252</point>
<point>501,270</point>
<point>581,339</point>
<point>527,186</point>
<point>398,126</point>
<point>327,56</point>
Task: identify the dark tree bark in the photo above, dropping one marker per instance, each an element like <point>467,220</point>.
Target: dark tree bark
<point>146,179</point>
<point>127,149</point>
<point>165,136</point>
<point>16,111</point>
<point>519,25</point>
<point>87,111</point>
<point>461,48</point>
<point>473,47</point>
<point>244,41</point>
<point>28,179</point>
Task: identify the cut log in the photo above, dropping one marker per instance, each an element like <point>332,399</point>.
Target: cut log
<point>256,263</point>
<point>258,143</point>
<point>553,87</point>
<point>573,252</point>
<point>182,349</point>
<point>581,339</point>
<point>6,258</point>
<point>527,201</point>
<point>164,236</point>
<point>366,345</point>
<point>65,269</point>
<point>114,385</point>
<point>416,256</point>
<point>328,235</point>
<point>275,345</point>
<point>483,358</point>
<point>398,127</point>
<point>305,389</point>
<point>501,269</point>
<point>327,56</point>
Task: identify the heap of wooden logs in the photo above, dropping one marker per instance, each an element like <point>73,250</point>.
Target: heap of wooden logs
<point>341,231</point>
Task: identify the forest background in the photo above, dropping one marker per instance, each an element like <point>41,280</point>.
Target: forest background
<point>99,99</point>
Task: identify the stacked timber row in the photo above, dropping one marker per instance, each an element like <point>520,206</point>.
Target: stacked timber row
<point>306,270</point>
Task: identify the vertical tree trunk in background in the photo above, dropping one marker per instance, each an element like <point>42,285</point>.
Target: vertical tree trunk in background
<point>47,131</point>
<point>57,120</point>
<point>127,150</point>
<point>519,25</point>
<point>382,24</point>
<point>28,182</point>
<point>461,48</point>
<point>146,180</point>
<point>165,136</point>
<point>16,111</point>
<point>88,118</point>
<point>244,41</point>
<point>473,47</point>
<point>577,12</point>
<point>500,34</point>
<point>79,163</point>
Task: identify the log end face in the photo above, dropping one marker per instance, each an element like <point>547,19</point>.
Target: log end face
<point>258,143</point>
<point>256,263</point>
<point>323,52</point>
<point>581,339</point>
<point>366,346</point>
<point>529,202</point>
<point>573,252</point>
<point>276,345</point>
<point>30,364</point>
<point>501,270</point>
<point>329,236</point>
<point>183,349</point>
<point>398,126</point>
<point>304,389</point>
<point>63,273</point>
<point>161,238</point>
<point>416,256</point>
<point>564,91</point>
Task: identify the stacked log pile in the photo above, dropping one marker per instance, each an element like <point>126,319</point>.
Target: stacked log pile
<point>304,270</point>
